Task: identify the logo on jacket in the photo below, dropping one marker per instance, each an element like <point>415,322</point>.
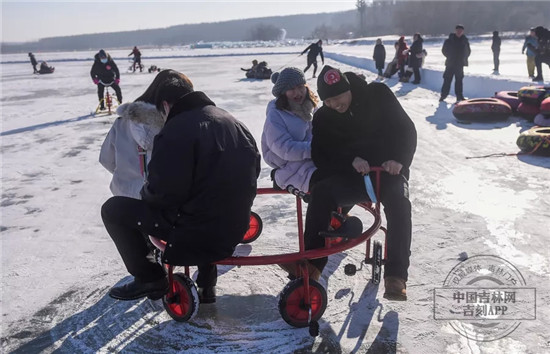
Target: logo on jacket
<point>331,77</point>
<point>108,67</point>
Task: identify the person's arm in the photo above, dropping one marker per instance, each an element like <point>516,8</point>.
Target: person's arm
<point>445,48</point>
<point>107,153</point>
<point>401,132</point>
<point>308,48</point>
<point>115,69</point>
<point>322,56</point>
<point>281,142</point>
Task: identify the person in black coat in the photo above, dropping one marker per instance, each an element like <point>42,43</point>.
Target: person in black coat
<point>495,47</point>
<point>362,125</point>
<point>197,197</point>
<point>542,51</point>
<point>415,56</point>
<point>379,56</point>
<point>456,49</point>
<point>105,72</point>
<point>314,49</point>
<point>34,63</point>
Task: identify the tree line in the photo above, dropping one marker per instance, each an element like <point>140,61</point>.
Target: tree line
<point>369,18</point>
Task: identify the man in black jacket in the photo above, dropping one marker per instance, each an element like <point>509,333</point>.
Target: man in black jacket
<point>197,197</point>
<point>105,72</point>
<point>542,51</point>
<point>314,49</point>
<point>456,49</point>
<point>362,125</point>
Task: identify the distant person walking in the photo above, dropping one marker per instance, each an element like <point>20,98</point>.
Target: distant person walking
<point>495,47</point>
<point>34,63</point>
<point>137,59</point>
<point>456,49</point>
<point>542,51</point>
<point>530,45</point>
<point>416,56</point>
<point>379,56</point>
<point>314,49</point>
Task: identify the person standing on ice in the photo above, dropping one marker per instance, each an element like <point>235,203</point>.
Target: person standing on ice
<point>402,55</point>
<point>200,187</point>
<point>495,47</point>
<point>137,59</point>
<point>530,45</point>
<point>542,51</point>
<point>456,50</point>
<point>416,56</point>
<point>314,49</point>
<point>105,71</point>
<point>34,63</point>
<point>362,125</point>
<point>379,57</point>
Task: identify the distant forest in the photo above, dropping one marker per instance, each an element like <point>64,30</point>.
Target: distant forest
<point>378,17</point>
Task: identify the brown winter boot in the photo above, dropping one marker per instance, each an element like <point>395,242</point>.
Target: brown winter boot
<point>396,288</point>
<point>293,270</point>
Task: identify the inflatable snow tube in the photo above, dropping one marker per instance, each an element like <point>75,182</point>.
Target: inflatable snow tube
<point>528,111</point>
<point>545,107</point>
<point>482,110</point>
<point>510,97</point>
<point>48,70</point>
<point>533,94</point>
<point>264,75</point>
<point>536,141</point>
<point>542,120</point>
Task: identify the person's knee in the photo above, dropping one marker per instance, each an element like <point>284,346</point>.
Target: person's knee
<point>110,209</point>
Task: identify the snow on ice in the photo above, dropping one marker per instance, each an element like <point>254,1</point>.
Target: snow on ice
<point>58,262</point>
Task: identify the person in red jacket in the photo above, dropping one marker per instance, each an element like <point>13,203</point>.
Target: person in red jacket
<point>402,55</point>
<point>137,59</point>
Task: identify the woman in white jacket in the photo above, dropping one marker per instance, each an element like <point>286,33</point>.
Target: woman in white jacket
<point>128,145</point>
<point>286,137</point>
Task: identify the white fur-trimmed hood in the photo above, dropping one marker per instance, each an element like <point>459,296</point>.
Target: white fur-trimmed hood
<point>141,112</point>
<point>144,122</point>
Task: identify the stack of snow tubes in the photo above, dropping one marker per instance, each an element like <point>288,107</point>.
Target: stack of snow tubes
<point>482,110</point>
<point>530,99</point>
<point>542,119</point>
<point>537,139</point>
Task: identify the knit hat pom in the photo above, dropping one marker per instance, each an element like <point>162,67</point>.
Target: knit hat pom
<point>286,80</point>
<point>274,77</point>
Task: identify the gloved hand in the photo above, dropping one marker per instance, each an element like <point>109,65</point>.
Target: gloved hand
<point>96,81</point>
<point>117,81</point>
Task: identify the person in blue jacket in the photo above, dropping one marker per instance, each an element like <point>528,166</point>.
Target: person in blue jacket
<point>529,48</point>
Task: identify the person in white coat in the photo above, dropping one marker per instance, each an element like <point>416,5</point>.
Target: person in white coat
<point>286,137</point>
<point>129,143</point>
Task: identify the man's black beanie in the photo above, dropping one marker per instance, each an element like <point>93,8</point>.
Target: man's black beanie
<point>331,82</point>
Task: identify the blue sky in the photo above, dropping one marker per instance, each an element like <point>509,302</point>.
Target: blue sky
<point>27,21</point>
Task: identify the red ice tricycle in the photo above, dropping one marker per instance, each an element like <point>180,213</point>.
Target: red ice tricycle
<point>303,300</point>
